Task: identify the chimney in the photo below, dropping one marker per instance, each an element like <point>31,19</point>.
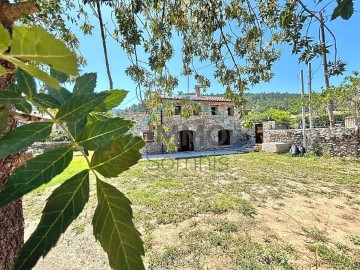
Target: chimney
<point>197,90</point>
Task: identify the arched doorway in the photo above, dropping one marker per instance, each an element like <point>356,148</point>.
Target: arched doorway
<point>186,140</point>
<point>224,137</point>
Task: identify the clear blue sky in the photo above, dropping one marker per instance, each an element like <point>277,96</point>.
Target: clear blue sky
<point>286,70</point>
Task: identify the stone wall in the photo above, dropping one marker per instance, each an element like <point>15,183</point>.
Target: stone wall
<point>335,141</point>
<point>135,116</point>
<point>205,128</point>
<point>40,147</point>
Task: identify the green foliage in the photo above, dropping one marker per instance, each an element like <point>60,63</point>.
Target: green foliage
<point>5,39</point>
<point>37,171</point>
<point>63,206</point>
<point>8,97</point>
<point>35,44</point>
<point>115,151</point>
<point>259,102</point>
<point>345,97</point>
<point>114,228</point>
<point>61,95</point>
<point>46,101</point>
<point>101,132</point>
<point>26,83</point>
<point>114,98</point>
<point>4,115</point>
<point>79,106</point>
<point>22,137</point>
<point>117,156</point>
<point>85,84</point>
<point>344,9</point>
<point>276,115</point>
<point>24,107</point>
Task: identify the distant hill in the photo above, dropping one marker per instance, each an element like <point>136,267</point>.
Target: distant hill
<point>260,102</point>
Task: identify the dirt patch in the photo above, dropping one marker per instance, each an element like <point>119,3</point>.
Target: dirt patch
<point>250,217</point>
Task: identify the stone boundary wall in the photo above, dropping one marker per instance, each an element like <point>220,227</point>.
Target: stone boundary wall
<point>135,116</point>
<point>40,147</point>
<point>335,141</point>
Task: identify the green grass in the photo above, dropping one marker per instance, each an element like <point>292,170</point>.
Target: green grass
<point>214,218</point>
<point>77,165</point>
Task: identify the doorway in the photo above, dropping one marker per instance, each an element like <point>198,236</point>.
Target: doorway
<point>186,140</point>
<point>224,137</point>
<point>259,133</point>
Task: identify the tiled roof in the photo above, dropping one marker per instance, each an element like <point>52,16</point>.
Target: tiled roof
<point>199,98</point>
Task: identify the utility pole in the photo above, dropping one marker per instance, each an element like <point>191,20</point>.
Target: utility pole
<point>309,90</point>
<point>303,108</point>
<point>329,105</point>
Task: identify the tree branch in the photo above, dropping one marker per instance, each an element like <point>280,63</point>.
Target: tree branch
<point>322,23</point>
<point>9,13</point>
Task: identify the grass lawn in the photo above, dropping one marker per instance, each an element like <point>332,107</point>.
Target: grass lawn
<point>247,211</point>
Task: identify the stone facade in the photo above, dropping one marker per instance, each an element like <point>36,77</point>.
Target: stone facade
<point>204,131</point>
<point>41,147</point>
<point>335,141</point>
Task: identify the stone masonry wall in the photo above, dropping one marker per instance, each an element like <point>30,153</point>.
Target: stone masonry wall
<point>335,141</point>
<point>205,128</point>
<point>40,147</point>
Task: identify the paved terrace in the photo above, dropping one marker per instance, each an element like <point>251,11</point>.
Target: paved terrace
<point>194,154</point>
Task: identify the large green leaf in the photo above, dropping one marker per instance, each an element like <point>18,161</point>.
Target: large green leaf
<point>24,107</point>
<point>4,117</point>
<point>36,44</point>
<point>114,99</point>
<point>85,84</point>
<point>60,76</point>
<point>3,70</point>
<point>100,133</point>
<point>13,88</point>
<point>10,97</point>
<point>37,73</point>
<point>63,206</point>
<point>114,228</point>
<point>24,136</point>
<point>94,117</point>
<point>46,101</point>
<point>5,39</point>
<point>345,9</point>
<point>76,127</point>
<point>78,106</point>
<point>25,83</point>
<point>37,171</point>
<point>61,95</point>
<point>117,156</point>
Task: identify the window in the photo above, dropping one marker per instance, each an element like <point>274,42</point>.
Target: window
<point>231,111</point>
<point>214,111</point>
<point>148,136</point>
<point>177,110</point>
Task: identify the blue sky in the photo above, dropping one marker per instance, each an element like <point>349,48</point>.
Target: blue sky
<point>286,70</point>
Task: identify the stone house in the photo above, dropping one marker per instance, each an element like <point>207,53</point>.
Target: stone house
<point>216,125</point>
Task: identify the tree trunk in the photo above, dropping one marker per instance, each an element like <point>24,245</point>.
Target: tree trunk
<point>330,112</point>
<point>103,38</point>
<point>11,216</point>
